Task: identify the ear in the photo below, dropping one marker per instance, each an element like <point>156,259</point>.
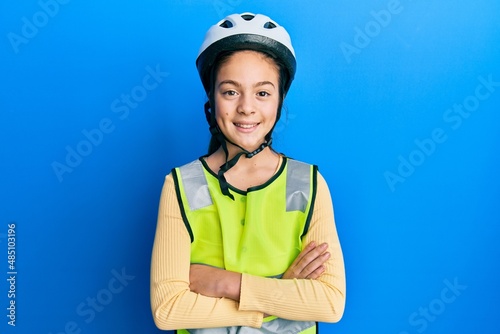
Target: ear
<point>208,112</point>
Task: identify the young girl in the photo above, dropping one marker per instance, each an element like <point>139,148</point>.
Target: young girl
<point>246,239</point>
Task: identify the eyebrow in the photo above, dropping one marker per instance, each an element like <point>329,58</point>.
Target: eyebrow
<point>237,84</point>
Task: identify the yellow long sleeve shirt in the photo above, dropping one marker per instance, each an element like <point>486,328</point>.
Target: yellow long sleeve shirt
<point>174,306</point>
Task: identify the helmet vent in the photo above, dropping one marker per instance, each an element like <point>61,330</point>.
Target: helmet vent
<point>226,24</point>
<point>247,17</point>
<point>269,25</point>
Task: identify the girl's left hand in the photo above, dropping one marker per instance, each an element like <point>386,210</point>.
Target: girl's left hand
<point>214,282</point>
<point>309,264</point>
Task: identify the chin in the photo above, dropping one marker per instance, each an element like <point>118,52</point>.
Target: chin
<point>250,147</point>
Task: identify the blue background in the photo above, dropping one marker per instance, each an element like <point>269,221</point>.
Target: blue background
<point>416,212</point>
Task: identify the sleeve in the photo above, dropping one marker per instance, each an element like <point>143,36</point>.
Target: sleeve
<point>173,305</point>
<point>322,299</point>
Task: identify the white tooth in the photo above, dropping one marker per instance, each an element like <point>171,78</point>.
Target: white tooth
<point>246,126</point>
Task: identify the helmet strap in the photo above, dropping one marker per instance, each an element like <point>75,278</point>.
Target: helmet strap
<point>216,132</point>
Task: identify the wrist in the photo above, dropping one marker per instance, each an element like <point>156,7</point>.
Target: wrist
<point>231,285</point>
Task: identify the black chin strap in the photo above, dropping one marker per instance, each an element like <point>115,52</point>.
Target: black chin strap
<point>224,186</point>
<point>215,131</point>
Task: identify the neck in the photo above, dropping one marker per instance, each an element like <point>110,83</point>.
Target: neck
<point>219,157</point>
<point>243,172</point>
<point>234,150</point>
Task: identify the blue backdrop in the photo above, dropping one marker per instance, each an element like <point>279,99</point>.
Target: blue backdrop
<point>397,101</point>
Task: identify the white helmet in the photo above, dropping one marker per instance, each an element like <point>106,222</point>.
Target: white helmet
<point>246,31</point>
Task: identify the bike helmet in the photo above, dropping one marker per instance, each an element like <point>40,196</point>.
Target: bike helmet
<point>245,31</point>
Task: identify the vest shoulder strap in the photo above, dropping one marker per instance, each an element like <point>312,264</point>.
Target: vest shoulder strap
<point>195,185</point>
<point>298,185</point>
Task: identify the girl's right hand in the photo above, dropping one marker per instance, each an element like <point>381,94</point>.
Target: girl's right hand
<point>309,263</point>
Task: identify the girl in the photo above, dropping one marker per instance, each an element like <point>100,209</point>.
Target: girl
<point>246,239</point>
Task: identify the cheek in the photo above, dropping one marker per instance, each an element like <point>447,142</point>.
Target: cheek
<point>221,116</point>
<point>272,112</point>
<point>223,109</point>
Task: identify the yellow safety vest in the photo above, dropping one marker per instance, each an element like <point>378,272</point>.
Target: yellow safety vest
<point>259,233</point>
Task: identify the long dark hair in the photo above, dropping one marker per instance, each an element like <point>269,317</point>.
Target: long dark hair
<point>283,78</point>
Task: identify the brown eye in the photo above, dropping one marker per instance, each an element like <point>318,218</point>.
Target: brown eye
<point>229,93</point>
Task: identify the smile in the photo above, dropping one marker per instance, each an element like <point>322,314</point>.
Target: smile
<point>246,126</point>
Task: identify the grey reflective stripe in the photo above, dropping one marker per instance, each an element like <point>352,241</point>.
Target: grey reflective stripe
<point>283,326</point>
<point>195,185</point>
<point>298,185</point>
<point>276,326</point>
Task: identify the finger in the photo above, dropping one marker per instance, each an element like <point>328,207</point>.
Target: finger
<point>311,255</point>
<point>296,267</point>
<point>316,273</point>
<point>315,264</point>
<point>304,252</point>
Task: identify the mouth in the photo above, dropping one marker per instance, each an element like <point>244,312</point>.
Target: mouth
<point>246,126</point>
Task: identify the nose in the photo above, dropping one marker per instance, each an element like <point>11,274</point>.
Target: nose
<point>246,106</point>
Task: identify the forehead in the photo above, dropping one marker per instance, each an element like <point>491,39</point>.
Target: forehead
<point>248,63</point>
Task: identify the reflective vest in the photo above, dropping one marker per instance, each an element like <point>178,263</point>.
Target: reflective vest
<point>259,232</point>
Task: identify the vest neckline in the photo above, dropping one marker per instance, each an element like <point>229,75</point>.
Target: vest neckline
<point>280,169</point>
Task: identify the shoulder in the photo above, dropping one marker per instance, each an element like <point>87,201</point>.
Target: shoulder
<point>187,168</point>
<point>321,183</point>
<point>300,165</point>
<point>298,168</point>
<point>188,164</point>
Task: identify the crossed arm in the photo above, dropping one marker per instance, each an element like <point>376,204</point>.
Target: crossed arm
<point>195,296</point>
<point>214,282</point>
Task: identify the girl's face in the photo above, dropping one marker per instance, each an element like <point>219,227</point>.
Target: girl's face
<point>247,98</point>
